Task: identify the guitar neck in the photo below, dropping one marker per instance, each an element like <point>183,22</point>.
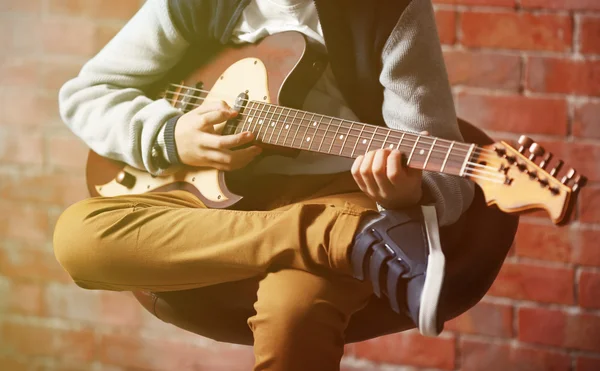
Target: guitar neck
<point>286,127</point>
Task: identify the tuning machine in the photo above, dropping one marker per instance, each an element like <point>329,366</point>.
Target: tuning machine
<point>535,150</point>
<point>525,143</point>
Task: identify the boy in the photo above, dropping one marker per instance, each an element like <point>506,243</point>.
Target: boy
<point>316,220</point>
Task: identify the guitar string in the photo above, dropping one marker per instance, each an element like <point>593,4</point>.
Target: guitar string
<point>265,103</point>
<point>468,170</point>
<point>476,150</point>
<point>316,136</point>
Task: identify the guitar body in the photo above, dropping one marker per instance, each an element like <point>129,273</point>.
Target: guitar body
<point>280,69</point>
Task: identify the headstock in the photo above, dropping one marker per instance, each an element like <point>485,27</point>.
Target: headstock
<point>517,180</point>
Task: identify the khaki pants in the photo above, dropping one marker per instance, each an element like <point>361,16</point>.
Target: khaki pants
<point>290,233</point>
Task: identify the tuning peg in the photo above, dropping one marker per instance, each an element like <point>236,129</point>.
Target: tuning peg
<point>546,160</point>
<point>580,181</point>
<point>569,176</point>
<point>525,142</point>
<point>535,150</point>
<point>557,168</point>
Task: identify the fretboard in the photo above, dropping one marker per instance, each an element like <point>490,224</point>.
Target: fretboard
<point>286,127</point>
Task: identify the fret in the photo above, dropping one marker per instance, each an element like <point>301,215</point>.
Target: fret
<point>386,139</point>
<point>309,140</point>
<point>446,158</point>
<point>357,140</point>
<point>289,126</point>
<point>467,157</point>
<point>429,154</point>
<point>248,118</point>
<point>400,142</point>
<point>335,136</point>
<point>413,150</point>
<point>371,141</point>
<point>276,123</point>
<point>272,125</point>
<point>300,125</point>
<point>284,125</point>
<point>297,129</point>
<point>326,131</point>
<point>256,117</point>
<point>263,122</point>
<point>348,134</point>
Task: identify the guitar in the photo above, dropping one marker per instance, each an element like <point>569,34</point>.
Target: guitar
<point>264,80</point>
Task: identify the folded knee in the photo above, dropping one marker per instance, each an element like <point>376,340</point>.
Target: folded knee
<point>77,241</point>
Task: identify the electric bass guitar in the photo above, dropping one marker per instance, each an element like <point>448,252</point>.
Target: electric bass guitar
<point>264,80</point>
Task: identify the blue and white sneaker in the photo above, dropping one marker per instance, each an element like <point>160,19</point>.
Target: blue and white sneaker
<point>400,253</point>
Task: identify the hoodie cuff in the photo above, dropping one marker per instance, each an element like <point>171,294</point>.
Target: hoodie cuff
<point>168,137</point>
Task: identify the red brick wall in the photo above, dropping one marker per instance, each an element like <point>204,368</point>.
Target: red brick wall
<point>518,66</point>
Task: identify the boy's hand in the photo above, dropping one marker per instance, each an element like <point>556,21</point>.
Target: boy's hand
<point>199,145</point>
<point>381,175</point>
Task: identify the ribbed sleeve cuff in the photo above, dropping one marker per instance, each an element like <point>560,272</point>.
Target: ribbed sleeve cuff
<point>169,138</point>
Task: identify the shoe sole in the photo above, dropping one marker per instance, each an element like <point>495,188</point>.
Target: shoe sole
<point>434,277</point>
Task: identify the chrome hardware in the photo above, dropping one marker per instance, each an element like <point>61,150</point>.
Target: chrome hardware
<point>556,169</point>
<point>580,181</point>
<point>525,142</point>
<point>546,160</point>
<point>535,150</point>
<point>125,179</point>
<point>569,176</point>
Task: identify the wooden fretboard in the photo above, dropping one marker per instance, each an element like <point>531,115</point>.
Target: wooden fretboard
<point>286,127</point>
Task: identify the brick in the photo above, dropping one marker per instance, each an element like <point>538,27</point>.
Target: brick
<point>485,319</point>
<point>67,152</point>
<point>503,3</point>
<point>21,35</point>
<point>103,33</point>
<point>585,120</point>
<point>29,339</point>
<point>76,36</point>
<point>523,31</point>
<point>589,287</point>
<point>55,73</point>
<point>589,206</point>
<point>24,222</point>
<point>20,6</point>
<point>19,72</point>
<point>62,189</point>
<point>558,328</point>
<point>562,4</point>
<point>123,9</point>
<point>487,70</point>
<point>446,26</point>
<point>69,301</point>
<point>514,113</point>
<point>163,354</point>
<point>25,298</point>
<point>409,348</point>
<point>544,242</point>
<point>588,251</point>
<point>31,265</point>
<point>477,355</point>
<point>120,309</point>
<point>587,363</point>
<point>589,30</point>
<point>582,156</point>
<point>531,282</point>
<point>557,75</point>
<point>19,107</point>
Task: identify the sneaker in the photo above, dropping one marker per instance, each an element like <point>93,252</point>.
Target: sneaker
<point>399,252</point>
